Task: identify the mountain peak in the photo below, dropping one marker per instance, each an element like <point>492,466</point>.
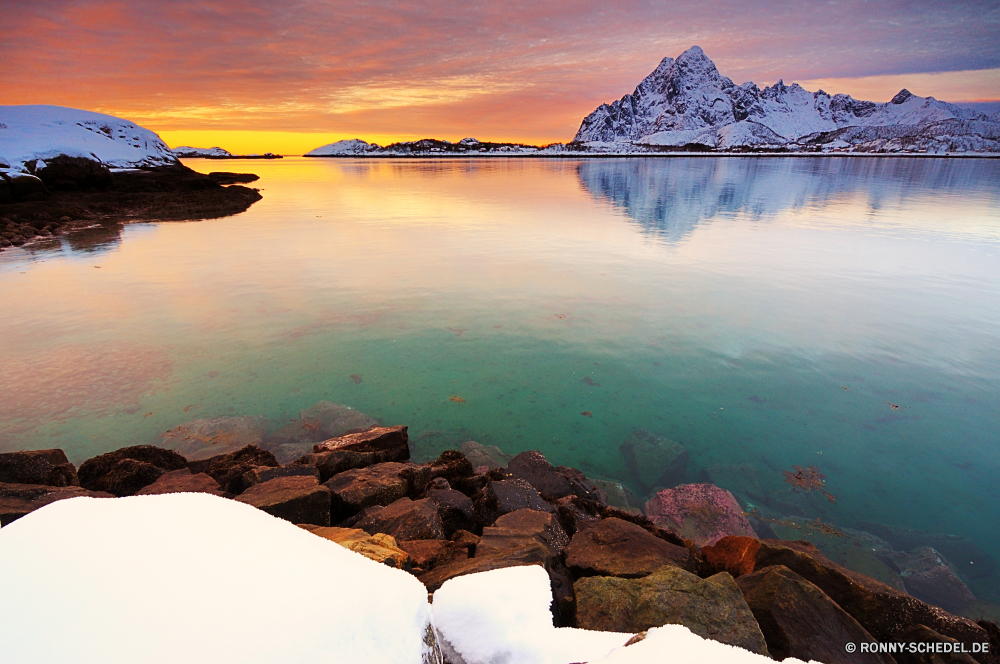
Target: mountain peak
<point>901,96</point>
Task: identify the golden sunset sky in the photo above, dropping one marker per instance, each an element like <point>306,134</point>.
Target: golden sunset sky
<point>289,76</point>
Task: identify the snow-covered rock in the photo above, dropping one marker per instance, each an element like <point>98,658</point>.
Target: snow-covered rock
<point>186,151</point>
<point>687,101</point>
<point>196,578</point>
<point>350,146</point>
<point>34,133</point>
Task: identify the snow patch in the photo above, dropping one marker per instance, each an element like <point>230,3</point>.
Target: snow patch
<point>345,147</point>
<point>194,577</point>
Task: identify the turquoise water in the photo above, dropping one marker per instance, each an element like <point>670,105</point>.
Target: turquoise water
<point>759,311</point>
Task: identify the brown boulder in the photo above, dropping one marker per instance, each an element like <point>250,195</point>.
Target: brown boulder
<point>799,620</point>
<point>712,608</point>
<point>182,481</point>
<point>300,499</point>
<point>376,439</point>
<point>93,469</point>
<point>49,467</point>
<point>537,554</point>
<point>428,553</point>
<point>127,476</point>
<point>576,513</point>
<point>734,554</point>
<point>360,488</point>
<point>379,547</point>
<point>16,500</point>
<point>613,547</point>
<point>404,519</point>
<point>229,469</point>
<point>513,530</point>
<point>553,482</point>
<point>501,497</point>
<point>703,513</point>
<point>455,509</point>
<point>883,611</point>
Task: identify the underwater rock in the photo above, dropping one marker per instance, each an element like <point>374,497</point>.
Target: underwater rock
<point>204,438</point>
<point>619,495</point>
<point>489,456</point>
<point>799,620</point>
<point>712,608</point>
<point>317,423</point>
<point>739,479</point>
<point>970,560</point>
<point>703,513</point>
<point>654,461</point>
<point>930,577</point>
<point>612,547</point>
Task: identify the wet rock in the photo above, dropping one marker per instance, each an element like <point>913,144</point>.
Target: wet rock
<point>712,608</point>
<point>501,497</point>
<point>75,173</point>
<point>619,495</point>
<point>355,490</point>
<point>92,470</point>
<point>485,456</point>
<point>182,481</point>
<point>128,476</point>
<point>654,461</point>
<point>16,500</point>
<point>930,577</point>
<point>49,467</point>
<point>299,499</point>
<point>575,513</point>
<point>734,554</point>
<point>429,553</point>
<point>613,547</point>
<point>359,450</point>
<point>265,473</point>
<point>467,540</point>
<point>24,187</point>
<point>553,482</point>
<point>455,509</point>
<point>883,611</point>
<point>404,519</point>
<point>451,466</point>
<point>229,470</point>
<point>537,554</point>
<point>511,531</point>
<point>379,547</point>
<point>799,620</point>
<point>923,634</point>
<point>205,438</point>
<point>703,513</point>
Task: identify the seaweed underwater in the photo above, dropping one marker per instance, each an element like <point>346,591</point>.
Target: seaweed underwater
<point>808,479</point>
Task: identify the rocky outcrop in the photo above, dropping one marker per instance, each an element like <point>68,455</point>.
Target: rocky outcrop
<point>799,620</point>
<point>612,547</point>
<point>359,450</point>
<point>182,481</point>
<point>230,470</point>
<point>553,482</point>
<point>703,513</point>
<point>712,608</point>
<point>454,507</point>
<point>654,461</point>
<point>404,519</point>
<point>127,477</point>
<point>125,471</point>
<point>48,467</point>
<point>299,499</point>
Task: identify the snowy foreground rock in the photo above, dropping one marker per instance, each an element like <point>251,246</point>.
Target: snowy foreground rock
<point>194,577</point>
<point>31,134</point>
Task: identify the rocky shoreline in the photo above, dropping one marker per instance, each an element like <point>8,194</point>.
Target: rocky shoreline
<point>72,193</point>
<point>690,557</point>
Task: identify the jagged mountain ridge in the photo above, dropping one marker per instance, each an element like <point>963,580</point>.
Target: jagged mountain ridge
<point>687,101</point>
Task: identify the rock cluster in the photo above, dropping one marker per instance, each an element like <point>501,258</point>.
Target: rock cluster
<point>694,561</point>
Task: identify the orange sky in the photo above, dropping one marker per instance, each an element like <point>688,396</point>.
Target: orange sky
<point>287,77</point>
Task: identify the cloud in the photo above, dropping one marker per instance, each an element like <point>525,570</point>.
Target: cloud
<point>528,68</point>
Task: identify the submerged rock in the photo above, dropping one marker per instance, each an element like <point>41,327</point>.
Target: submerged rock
<point>654,461</point>
<point>703,513</point>
<point>317,423</point>
<point>712,608</point>
<point>929,576</point>
<point>205,438</point>
<point>485,456</point>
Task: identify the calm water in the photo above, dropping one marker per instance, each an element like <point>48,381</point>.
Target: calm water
<point>724,303</point>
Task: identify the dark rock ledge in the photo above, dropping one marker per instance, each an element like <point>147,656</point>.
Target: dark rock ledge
<point>72,193</point>
<point>610,568</point>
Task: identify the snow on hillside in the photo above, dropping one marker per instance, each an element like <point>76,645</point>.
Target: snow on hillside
<point>346,147</point>
<point>687,101</point>
<point>39,132</point>
<point>186,151</point>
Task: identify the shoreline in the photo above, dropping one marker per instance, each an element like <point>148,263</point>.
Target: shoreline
<point>652,155</point>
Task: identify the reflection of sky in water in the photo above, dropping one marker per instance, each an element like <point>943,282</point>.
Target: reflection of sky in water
<point>725,303</point>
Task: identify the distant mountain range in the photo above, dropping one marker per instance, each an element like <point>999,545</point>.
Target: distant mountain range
<point>687,103</point>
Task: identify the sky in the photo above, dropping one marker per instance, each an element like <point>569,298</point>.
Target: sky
<point>260,75</point>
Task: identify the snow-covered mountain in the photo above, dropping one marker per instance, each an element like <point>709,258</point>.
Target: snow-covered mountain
<point>186,151</point>
<point>352,146</point>
<point>687,102</point>
<point>33,133</point>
